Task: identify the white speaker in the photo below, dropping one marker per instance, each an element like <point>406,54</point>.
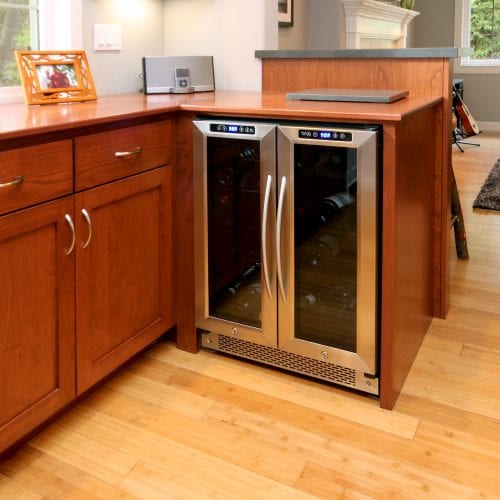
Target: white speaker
<point>182,74</point>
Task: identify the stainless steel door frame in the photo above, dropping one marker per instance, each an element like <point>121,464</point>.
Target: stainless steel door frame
<point>365,359</point>
<point>266,135</point>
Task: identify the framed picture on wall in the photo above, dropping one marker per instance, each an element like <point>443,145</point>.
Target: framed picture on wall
<point>285,13</point>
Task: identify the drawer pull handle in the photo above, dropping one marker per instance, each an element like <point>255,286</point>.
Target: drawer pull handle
<point>67,218</point>
<point>86,216</point>
<point>135,151</point>
<point>16,181</point>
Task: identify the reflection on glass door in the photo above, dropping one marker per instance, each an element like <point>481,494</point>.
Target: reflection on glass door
<point>325,180</point>
<point>234,238</point>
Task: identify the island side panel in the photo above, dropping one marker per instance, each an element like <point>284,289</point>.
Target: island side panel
<point>408,215</point>
<point>184,223</point>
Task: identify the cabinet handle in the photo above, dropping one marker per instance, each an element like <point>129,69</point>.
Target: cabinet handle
<point>16,181</point>
<point>279,223</point>
<point>265,212</point>
<point>67,218</point>
<point>86,216</point>
<point>135,151</point>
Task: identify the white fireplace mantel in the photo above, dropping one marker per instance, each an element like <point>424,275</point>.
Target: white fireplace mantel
<point>370,24</point>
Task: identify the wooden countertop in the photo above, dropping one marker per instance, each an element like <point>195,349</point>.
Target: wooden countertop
<point>19,120</point>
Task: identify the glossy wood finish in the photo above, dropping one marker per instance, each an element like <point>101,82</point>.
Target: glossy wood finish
<point>17,121</point>
<point>124,275</point>
<point>187,338</point>
<point>147,145</point>
<point>46,171</point>
<point>407,244</point>
<point>37,375</point>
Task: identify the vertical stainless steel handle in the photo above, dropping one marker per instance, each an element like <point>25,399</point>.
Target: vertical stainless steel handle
<point>265,212</point>
<point>279,223</point>
<point>67,218</point>
<point>86,216</point>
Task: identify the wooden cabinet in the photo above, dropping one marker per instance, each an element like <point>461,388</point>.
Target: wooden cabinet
<point>37,370</point>
<point>86,279</point>
<point>114,154</point>
<point>33,174</point>
<point>124,271</point>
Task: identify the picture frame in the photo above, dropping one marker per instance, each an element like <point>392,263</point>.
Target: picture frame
<point>285,13</point>
<point>52,77</point>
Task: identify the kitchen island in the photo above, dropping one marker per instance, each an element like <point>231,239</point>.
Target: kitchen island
<point>86,174</point>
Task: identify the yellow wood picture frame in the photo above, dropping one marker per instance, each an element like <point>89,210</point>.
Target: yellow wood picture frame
<point>52,77</point>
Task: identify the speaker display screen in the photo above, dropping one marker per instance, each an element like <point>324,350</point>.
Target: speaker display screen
<point>230,128</point>
<point>325,135</point>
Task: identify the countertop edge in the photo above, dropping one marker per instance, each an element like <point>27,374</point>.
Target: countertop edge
<point>415,53</point>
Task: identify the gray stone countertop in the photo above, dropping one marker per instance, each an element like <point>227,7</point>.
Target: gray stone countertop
<point>417,53</point>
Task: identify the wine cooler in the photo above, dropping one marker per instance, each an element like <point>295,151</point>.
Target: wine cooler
<point>286,245</point>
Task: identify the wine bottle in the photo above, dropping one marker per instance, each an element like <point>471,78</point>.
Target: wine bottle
<point>320,250</point>
<point>306,301</point>
<point>331,205</point>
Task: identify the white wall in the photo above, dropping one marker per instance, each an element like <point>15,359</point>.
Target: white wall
<point>141,21</point>
<point>229,30</point>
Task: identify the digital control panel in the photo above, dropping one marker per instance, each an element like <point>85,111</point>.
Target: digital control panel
<point>230,128</point>
<point>325,135</point>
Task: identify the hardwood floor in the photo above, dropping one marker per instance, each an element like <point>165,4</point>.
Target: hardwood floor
<point>176,425</point>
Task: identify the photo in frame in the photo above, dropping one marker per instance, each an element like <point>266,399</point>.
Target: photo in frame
<point>285,13</point>
<point>51,77</point>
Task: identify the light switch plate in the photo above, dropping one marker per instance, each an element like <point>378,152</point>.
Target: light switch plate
<point>107,37</point>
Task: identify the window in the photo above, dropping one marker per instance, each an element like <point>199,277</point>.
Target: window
<point>35,25</point>
<point>478,27</point>
<point>18,30</point>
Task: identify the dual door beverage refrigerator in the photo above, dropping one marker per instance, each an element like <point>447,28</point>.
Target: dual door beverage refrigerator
<point>286,245</point>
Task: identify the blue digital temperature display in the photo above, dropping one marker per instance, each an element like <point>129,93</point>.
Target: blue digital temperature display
<point>232,128</point>
<point>325,135</point>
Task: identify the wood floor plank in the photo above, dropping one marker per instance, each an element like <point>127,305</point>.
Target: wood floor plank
<point>183,460</point>
<point>53,478</point>
<point>221,440</point>
<point>166,396</point>
<point>11,489</point>
<point>158,483</point>
<point>98,460</point>
<point>312,394</point>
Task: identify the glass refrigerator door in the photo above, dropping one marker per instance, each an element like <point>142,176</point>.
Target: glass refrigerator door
<point>239,216</point>
<point>327,264</point>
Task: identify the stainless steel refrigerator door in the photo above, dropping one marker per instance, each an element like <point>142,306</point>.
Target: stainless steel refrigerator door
<point>235,270</point>
<point>328,311</point>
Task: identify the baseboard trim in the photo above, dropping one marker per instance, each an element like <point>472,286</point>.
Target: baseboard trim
<point>489,126</point>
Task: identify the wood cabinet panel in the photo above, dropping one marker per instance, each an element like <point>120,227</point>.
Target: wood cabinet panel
<point>37,375</point>
<point>34,174</point>
<point>124,275</point>
<point>115,154</point>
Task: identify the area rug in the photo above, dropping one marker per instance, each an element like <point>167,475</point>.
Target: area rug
<point>489,195</point>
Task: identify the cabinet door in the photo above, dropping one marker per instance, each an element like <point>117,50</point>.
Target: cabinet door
<point>124,271</point>
<point>37,346</point>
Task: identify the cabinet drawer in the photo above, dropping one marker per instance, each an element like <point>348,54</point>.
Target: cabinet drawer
<point>33,174</point>
<point>114,154</point>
